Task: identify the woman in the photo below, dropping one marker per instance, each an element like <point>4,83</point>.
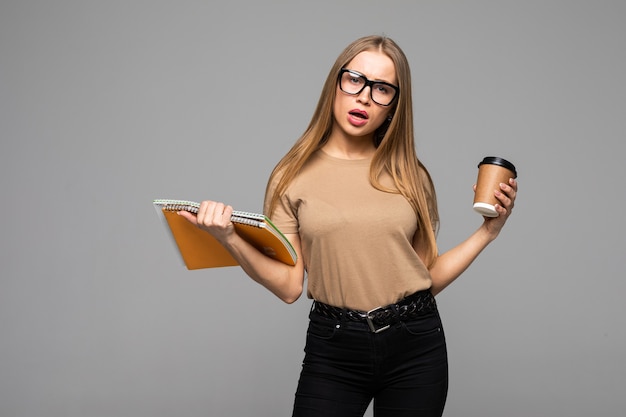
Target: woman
<point>360,211</point>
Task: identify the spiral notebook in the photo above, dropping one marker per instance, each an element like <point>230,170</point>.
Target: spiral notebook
<point>199,249</point>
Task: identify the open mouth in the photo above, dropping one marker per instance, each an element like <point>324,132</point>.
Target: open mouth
<point>358,114</point>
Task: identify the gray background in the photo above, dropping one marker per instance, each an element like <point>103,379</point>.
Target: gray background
<point>106,105</point>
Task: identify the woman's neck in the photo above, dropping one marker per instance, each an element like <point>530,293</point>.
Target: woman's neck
<point>349,148</point>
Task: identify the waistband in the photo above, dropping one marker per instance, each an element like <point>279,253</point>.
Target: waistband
<point>381,318</point>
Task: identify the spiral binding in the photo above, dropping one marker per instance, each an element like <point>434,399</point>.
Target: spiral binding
<point>242,217</point>
<point>178,206</point>
<point>237,218</point>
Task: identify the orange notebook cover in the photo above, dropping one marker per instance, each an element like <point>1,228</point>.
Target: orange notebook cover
<point>199,249</point>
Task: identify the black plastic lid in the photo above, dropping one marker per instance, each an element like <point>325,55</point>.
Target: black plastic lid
<point>495,160</point>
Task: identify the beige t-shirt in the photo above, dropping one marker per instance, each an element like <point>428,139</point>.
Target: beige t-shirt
<point>356,240</point>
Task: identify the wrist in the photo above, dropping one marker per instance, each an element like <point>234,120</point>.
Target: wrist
<point>228,239</point>
<point>487,233</point>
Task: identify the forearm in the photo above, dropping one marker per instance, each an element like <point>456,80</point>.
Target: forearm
<point>284,281</point>
<point>450,265</point>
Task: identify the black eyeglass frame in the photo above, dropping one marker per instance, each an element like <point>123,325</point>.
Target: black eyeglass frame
<point>368,83</point>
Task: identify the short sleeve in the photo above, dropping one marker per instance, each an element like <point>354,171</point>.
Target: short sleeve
<point>285,214</point>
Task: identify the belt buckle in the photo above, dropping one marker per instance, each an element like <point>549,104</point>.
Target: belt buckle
<point>370,322</point>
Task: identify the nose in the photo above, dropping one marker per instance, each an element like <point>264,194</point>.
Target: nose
<point>365,95</point>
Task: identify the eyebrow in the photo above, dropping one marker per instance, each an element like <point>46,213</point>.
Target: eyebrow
<point>375,79</point>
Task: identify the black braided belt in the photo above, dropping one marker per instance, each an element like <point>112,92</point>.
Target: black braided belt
<point>381,318</point>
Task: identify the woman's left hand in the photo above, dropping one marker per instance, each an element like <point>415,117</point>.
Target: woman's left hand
<point>506,196</point>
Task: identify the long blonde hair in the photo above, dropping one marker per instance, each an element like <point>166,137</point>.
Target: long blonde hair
<point>394,141</point>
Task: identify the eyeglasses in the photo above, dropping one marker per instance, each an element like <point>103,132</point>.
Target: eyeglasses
<point>353,82</point>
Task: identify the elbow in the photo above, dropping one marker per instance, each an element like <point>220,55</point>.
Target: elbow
<point>437,287</point>
<point>292,295</point>
<point>290,300</point>
<point>435,290</point>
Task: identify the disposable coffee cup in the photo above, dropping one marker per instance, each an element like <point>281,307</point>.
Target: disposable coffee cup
<point>492,171</point>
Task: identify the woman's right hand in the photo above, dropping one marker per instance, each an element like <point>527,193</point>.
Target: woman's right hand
<point>213,217</point>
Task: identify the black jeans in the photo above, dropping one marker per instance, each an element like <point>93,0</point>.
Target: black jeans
<point>404,369</point>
